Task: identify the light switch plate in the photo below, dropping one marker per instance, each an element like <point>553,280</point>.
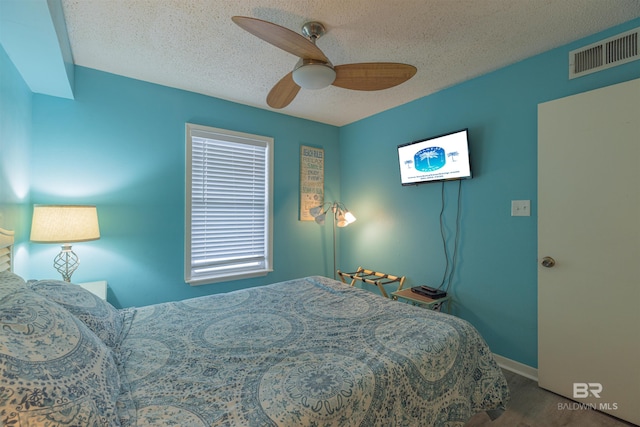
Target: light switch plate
<point>521,208</point>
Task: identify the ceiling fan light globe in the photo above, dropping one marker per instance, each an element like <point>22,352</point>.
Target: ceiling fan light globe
<point>314,76</point>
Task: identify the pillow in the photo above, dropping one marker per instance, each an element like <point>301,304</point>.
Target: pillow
<point>9,283</point>
<point>54,370</point>
<point>101,317</point>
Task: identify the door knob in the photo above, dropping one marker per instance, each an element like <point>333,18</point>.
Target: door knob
<point>548,262</point>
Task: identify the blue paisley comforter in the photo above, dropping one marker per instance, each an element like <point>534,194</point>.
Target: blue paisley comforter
<point>306,352</point>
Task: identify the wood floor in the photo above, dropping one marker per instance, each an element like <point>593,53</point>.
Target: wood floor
<point>531,406</point>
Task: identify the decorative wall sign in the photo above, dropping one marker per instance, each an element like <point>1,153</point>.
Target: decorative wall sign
<point>311,180</point>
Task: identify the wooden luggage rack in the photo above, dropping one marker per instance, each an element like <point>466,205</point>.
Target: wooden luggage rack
<point>373,278</point>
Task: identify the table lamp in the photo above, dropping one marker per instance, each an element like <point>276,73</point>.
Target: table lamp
<point>64,224</point>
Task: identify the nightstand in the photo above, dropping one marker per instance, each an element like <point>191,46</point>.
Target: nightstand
<point>98,288</point>
<point>420,300</point>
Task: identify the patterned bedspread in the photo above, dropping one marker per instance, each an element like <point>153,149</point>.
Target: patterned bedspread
<point>307,352</point>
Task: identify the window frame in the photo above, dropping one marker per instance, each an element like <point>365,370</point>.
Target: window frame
<point>224,135</point>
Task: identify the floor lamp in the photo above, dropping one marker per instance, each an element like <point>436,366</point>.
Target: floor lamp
<point>341,218</point>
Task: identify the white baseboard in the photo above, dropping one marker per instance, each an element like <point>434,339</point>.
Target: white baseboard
<point>517,367</point>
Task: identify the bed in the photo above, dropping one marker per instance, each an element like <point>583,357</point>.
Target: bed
<point>305,352</point>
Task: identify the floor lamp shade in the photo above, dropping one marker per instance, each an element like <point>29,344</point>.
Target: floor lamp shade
<point>64,224</point>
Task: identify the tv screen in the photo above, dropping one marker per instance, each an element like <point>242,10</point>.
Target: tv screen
<point>441,158</point>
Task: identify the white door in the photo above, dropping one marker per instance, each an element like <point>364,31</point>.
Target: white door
<point>589,223</point>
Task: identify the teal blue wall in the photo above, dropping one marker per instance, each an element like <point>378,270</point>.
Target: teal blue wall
<point>121,146</point>
<point>15,143</point>
<point>495,283</point>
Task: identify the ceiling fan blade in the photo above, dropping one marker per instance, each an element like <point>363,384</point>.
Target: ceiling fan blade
<point>283,92</point>
<point>281,37</point>
<point>372,75</point>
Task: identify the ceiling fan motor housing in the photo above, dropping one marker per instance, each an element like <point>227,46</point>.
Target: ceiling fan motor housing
<point>313,30</point>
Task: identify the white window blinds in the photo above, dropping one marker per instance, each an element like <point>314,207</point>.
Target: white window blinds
<point>228,206</point>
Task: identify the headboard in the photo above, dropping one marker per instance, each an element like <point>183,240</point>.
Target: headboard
<point>6,250</point>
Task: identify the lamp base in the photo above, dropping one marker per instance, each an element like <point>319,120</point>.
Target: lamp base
<point>66,262</point>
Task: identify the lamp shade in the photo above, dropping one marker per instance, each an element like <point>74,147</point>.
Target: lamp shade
<point>64,224</point>
<point>341,221</point>
<point>349,217</point>
<point>314,212</point>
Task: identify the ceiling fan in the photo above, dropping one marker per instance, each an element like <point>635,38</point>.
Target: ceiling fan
<point>314,70</point>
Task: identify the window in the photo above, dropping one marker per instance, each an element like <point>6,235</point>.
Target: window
<point>228,206</point>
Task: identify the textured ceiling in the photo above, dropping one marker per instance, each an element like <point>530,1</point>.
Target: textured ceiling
<point>194,45</point>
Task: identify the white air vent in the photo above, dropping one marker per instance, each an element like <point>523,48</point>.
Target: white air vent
<point>607,53</point>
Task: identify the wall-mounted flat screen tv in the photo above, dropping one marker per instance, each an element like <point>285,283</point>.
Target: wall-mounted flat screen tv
<point>441,158</point>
